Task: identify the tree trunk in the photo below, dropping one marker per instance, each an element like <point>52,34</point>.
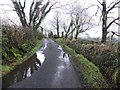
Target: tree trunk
<point>71,36</point>
<point>57,27</point>
<point>104,23</point>
<point>66,35</point>
<point>104,35</point>
<point>77,32</point>
<point>76,36</point>
<point>58,33</point>
<point>62,34</point>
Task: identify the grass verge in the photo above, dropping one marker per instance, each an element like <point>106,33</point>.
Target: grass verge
<point>90,73</point>
<point>4,69</point>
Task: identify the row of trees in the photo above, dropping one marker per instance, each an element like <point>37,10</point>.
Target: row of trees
<point>80,21</point>
<point>37,12</point>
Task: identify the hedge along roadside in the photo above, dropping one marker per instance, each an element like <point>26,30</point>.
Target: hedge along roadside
<point>6,69</point>
<point>90,73</point>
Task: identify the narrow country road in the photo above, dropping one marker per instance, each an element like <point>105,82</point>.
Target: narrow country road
<point>55,72</point>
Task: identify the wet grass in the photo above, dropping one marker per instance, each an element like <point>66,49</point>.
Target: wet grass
<point>4,69</point>
<point>90,73</point>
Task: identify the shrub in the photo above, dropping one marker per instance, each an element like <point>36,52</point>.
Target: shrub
<point>102,56</point>
<point>16,42</point>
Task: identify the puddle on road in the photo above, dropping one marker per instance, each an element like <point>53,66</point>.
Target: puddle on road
<point>40,57</point>
<point>24,70</point>
<point>65,64</point>
<point>64,56</point>
<point>59,47</point>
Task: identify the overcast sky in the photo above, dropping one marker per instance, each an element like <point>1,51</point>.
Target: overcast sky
<point>95,32</point>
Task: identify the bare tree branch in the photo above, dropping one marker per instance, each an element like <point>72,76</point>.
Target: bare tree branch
<point>31,13</point>
<point>113,6</point>
<point>7,10</point>
<point>24,3</point>
<point>99,2</point>
<point>117,23</point>
<point>112,22</point>
<point>6,5</point>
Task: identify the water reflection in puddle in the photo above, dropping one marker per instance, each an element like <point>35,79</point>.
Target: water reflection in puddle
<point>65,62</point>
<point>40,56</point>
<point>24,70</point>
<point>62,66</point>
<point>64,56</point>
<point>59,47</point>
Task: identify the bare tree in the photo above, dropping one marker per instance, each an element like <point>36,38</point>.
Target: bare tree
<point>68,28</point>
<point>78,21</point>
<point>37,12</point>
<point>105,12</point>
<point>81,20</point>
<point>55,23</point>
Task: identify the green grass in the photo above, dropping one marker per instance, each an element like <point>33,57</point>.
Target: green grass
<point>90,73</point>
<point>6,69</point>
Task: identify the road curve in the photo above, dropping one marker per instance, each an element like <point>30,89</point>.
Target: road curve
<point>55,72</point>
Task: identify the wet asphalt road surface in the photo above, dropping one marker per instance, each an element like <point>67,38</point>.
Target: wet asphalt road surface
<point>55,72</point>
